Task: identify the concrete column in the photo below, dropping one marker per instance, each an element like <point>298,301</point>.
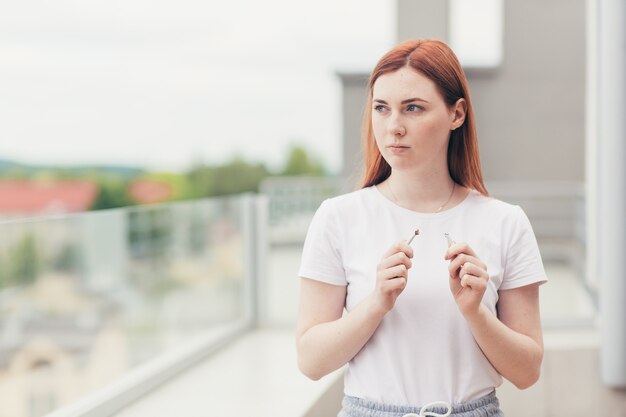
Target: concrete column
<point>418,19</point>
<point>354,94</point>
<point>610,72</point>
<point>591,147</point>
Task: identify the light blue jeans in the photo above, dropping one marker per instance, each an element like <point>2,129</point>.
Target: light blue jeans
<point>487,406</point>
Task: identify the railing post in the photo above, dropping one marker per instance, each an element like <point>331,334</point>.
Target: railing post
<point>256,252</point>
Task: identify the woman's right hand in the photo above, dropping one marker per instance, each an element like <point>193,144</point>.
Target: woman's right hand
<point>392,273</point>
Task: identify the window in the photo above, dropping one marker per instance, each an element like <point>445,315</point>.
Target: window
<point>476,28</point>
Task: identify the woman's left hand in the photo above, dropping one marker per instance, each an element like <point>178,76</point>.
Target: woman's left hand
<point>468,277</point>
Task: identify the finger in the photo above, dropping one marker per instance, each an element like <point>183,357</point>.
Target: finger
<point>473,282</point>
<point>457,263</point>
<point>463,258</point>
<point>472,269</point>
<point>464,280</point>
<point>394,272</point>
<point>467,269</point>
<point>392,285</point>
<point>459,248</point>
<point>454,269</point>
<point>475,261</point>
<point>400,246</point>
<point>395,248</point>
<point>399,258</point>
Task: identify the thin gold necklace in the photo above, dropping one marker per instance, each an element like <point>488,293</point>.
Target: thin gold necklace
<point>436,211</point>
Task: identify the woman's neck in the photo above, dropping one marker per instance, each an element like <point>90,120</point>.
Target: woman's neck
<point>422,193</point>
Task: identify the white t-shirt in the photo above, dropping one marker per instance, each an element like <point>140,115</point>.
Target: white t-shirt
<point>423,350</point>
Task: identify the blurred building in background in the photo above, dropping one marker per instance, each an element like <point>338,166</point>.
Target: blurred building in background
<point>19,199</point>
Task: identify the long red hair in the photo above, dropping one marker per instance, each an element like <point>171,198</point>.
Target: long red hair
<point>435,60</point>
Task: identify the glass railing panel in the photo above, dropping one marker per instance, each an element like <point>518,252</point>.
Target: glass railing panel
<point>86,298</point>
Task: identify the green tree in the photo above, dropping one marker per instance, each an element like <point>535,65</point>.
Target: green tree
<point>178,183</point>
<point>25,262</point>
<point>67,259</point>
<point>237,176</point>
<point>299,162</point>
<point>112,193</point>
<point>4,273</point>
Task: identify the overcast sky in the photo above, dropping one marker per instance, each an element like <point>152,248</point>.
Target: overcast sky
<point>163,84</point>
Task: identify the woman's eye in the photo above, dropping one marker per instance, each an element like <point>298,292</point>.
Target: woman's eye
<point>413,107</point>
<point>379,108</point>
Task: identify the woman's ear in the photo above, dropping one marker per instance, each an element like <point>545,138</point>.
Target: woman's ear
<point>459,112</point>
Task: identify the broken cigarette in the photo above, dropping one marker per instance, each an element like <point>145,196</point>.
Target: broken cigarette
<point>417,232</point>
<point>450,243</point>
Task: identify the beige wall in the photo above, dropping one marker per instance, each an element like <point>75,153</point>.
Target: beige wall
<point>531,110</point>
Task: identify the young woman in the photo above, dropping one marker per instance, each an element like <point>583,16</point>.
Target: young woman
<point>441,319</point>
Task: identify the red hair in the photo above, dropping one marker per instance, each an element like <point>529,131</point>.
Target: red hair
<point>435,60</point>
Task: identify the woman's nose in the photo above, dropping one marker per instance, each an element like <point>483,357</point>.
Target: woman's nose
<point>396,127</point>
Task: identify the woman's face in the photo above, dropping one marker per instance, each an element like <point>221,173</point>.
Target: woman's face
<point>410,119</point>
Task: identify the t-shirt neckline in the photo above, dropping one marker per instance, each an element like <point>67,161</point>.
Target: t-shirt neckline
<point>443,213</point>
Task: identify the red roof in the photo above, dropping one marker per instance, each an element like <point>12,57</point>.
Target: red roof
<point>150,191</point>
<point>31,197</point>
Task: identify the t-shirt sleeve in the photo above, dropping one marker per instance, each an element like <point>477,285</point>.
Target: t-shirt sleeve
<point>523,264</point>
<point>321,254</point>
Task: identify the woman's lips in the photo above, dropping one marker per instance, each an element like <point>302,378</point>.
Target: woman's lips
<point>398,148</point>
